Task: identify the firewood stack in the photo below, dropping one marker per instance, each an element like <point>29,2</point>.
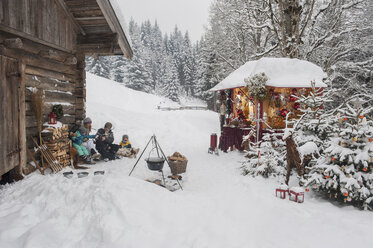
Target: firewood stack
<point>58,142</point>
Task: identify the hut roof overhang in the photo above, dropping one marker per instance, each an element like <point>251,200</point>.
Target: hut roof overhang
<point>281,72</point>
<point>100,26</point>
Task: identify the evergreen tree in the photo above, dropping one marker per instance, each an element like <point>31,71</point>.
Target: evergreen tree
<point>345,172</point>
<point>268,160</point>
<point>169,81</point>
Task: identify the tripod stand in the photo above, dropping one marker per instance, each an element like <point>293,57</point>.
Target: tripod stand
<point>158,148</point>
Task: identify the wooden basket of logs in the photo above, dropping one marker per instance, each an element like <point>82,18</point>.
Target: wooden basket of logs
<point>177,163</point>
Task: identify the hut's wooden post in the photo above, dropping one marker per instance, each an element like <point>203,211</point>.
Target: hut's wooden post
<point>22,117</point>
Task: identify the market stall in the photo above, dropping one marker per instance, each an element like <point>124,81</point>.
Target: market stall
<point>259,95</point>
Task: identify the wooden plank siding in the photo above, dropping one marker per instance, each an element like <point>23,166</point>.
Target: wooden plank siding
<point>47,40</point>
<point>41,19</point>
<point>9,118</point>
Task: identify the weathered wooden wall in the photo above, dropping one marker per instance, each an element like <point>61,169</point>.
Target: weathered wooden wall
<point>12,130</point>
<point>42,19</point>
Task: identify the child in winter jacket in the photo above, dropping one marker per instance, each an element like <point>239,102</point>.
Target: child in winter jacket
<point>125,143</point>
<point>126,149</point>
<point>78,139</point>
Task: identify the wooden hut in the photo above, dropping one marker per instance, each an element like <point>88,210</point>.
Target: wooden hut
<point>43,44</point>
<point>285,79</point>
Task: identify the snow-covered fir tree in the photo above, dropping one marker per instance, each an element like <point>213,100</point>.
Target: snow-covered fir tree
<point>314,123</point>
<point>268,159</point>
<point>170,87</point>
<point>345,172</point>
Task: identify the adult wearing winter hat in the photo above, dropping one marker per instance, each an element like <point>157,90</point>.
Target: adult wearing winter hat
<point>85,129</point>
<point>104,142</point>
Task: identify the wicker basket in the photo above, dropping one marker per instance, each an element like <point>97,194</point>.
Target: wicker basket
<point>177,167</point>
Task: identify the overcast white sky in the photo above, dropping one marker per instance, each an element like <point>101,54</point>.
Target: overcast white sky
<point>191,15</point>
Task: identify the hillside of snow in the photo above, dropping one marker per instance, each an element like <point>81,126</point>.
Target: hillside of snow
<point>218,207</point>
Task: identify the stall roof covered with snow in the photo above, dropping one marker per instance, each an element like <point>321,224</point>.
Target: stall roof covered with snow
<point>262,93</point>
<point>281,72</point>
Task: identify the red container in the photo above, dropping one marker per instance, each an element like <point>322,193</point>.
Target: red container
<point>213,141</point>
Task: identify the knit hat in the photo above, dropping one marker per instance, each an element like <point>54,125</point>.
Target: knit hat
<point>108,125</point>
<point>87,120</point>
<point>125,137</point>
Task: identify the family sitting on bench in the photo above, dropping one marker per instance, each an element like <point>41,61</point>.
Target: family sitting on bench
<point>100,145</point>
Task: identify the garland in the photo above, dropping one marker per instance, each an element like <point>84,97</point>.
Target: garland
<point>257,86</point>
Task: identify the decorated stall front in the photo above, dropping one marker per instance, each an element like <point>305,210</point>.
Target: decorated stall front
<point>258,96</point>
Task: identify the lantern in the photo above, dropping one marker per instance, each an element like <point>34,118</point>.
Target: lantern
<point>52,118</point>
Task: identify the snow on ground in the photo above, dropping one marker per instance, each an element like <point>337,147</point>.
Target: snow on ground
<point>218,207</point>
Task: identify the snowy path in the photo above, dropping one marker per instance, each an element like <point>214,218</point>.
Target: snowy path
<point>218,207</point>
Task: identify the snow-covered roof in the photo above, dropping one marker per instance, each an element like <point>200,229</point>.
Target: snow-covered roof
<point>282,73</point>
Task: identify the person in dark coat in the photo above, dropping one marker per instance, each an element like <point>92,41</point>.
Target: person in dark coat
<point>104,142</point>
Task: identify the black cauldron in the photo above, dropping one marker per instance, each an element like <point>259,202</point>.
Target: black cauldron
<point>155,164</point>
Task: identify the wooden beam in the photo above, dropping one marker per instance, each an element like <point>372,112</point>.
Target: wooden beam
<point>100,49</point>
<point>97,38</point>
<point>32,38</point>
<point>70,17</point>
<point>13,43</point>
<point>115,26</point>
<point>22,117</point>
<point>71,61</point>
<point>37,61</point>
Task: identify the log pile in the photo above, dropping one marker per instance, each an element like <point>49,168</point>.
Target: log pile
<point>58,142</point>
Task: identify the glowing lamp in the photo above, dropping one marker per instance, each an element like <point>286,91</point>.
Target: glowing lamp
<point>52,118</point>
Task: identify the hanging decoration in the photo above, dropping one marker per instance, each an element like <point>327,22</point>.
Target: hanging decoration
<point>283,112</point>
<point>58,110</point>
<point>257,86</point>
<point>52,118</point>
<point>296,106</point>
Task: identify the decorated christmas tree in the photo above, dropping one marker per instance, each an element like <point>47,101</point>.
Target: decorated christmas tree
<point>345,172</point>
<point>314,123</point>
<point>268,160</point>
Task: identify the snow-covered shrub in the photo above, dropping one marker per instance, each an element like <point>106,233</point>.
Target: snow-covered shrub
<point>269,160</point>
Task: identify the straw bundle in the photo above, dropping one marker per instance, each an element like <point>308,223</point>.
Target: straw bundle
<point>37,101</point>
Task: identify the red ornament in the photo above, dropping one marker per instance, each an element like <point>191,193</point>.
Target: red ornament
<point>333,159</point>
<point>251,98</point>
<point>292,99</point>
<point>296,106</point>
<point>361,116</point>
<point>52,118</point>
<point>371,140</point>
<point>345,119</point>
<point>327,176</point>
<point>307,189</point>
<point>365,169</point>
<point>345,194</point>
<point>321,107</point>
<point>283,112</point>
